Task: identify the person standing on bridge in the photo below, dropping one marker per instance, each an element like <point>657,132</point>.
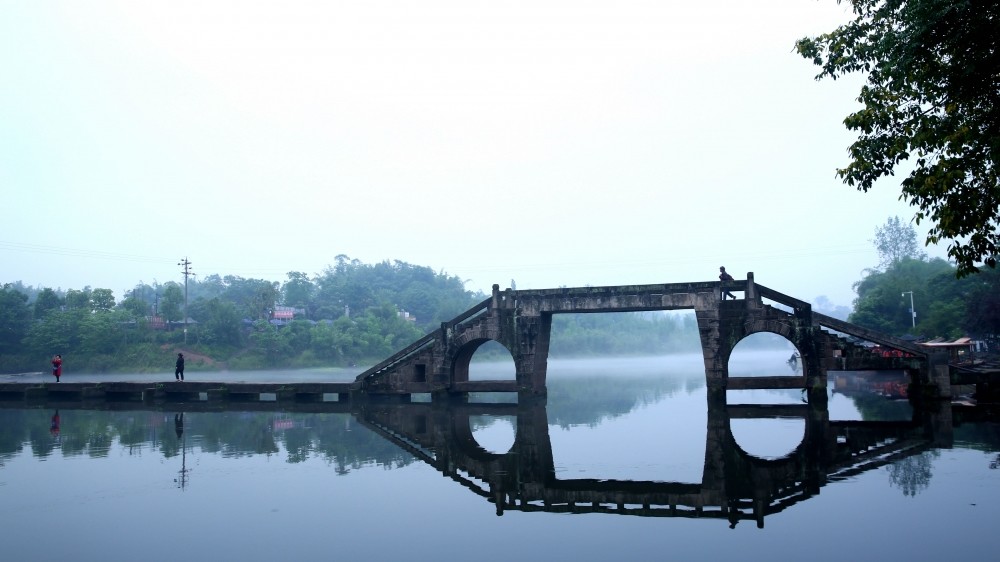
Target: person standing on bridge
<point>179,368</point>
<point>725,277</point>
<point>57,366</point>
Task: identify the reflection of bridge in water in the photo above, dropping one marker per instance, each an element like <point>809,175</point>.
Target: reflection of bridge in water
<point>735,485</point>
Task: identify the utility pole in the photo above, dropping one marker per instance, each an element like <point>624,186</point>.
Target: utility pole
<point>913,313</point>
<point>187,271</point>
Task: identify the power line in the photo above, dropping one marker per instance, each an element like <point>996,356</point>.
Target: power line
<point>664,262</point>
<point>78,252</point>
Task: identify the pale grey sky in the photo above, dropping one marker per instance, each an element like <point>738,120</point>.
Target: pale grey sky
<point>550,142</point>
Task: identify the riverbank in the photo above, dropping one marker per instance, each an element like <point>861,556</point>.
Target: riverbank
<point>324,374</point>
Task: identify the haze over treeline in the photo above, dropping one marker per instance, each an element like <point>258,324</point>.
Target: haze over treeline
<point>355,313</point>
<point>350,314</point>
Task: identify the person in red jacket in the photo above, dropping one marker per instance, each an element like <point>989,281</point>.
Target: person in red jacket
<point>57,366</point>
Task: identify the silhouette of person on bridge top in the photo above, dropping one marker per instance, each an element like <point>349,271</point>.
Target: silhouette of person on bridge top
<point>725,277</point>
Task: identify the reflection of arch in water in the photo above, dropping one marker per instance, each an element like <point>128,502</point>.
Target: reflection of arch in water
<point>756,487</point>
<point>466,442</point>
<point>442,437</point>
<point>803,412</point>
<point>735,485</point>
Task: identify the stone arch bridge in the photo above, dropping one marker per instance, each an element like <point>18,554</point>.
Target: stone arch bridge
<point>521,321</point>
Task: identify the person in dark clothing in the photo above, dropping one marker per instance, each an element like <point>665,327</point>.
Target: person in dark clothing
<point>725,277</point>
<point>57,367</point>
<point>179,369</point>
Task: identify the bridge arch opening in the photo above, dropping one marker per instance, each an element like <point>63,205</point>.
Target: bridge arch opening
<point>623,365</point>
<point>487,360</point>
<point>624,334</point>
<point>765,354</point>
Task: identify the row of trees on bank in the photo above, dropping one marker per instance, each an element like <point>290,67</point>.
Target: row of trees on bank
<point>350,314</point>
<point>356,314</point>
<point>946,305</point>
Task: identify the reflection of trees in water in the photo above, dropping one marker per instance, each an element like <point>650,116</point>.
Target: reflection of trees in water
<point>873,407</point>
<point>574,401</point>
<point>587,401</point>
<point>329,436</point>
<point>913,474</point>
<point>983,437</point>
<point>12,431</point>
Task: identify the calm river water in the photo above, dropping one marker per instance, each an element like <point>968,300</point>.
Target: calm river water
<point>625,460</point>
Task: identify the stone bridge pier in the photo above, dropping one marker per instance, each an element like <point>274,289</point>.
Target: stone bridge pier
<point>524,333</point>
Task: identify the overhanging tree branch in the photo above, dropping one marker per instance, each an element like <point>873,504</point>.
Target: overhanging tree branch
<point>933,90</point>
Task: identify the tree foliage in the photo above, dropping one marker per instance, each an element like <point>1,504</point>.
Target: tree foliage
<point>15,318</point>
<point>947,305</point>
<point>102,299</point>
<point>220,322</point>
<point>982,308</point>
<point>171,306</point>
<point>47,301</point>
<point>78,300</point>
<point>931,99</point>
<point>298,290</point>
<point>894,242</point>
<point>352,313</point>
<point>883,302</point>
